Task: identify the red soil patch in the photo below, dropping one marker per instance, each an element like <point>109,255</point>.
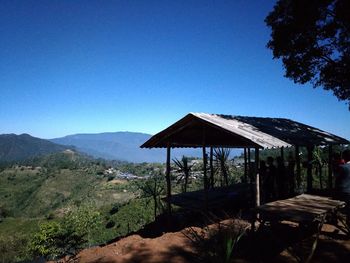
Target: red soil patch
<point>170,247</point>
<point>177,248</point>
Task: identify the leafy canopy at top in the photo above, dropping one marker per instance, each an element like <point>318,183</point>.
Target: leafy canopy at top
<point>313,39</point>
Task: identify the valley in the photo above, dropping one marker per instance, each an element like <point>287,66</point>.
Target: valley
<point>57,187</point>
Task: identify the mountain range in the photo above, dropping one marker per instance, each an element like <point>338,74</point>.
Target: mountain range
<point>124,146</point>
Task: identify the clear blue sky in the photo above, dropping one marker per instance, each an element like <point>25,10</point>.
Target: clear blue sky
<point>95,66</point>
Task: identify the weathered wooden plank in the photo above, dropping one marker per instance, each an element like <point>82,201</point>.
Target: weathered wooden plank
<point>299,209</point>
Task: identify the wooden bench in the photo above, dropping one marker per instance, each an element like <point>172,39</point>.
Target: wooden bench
<point>305,210</point>
<point>300,209</point>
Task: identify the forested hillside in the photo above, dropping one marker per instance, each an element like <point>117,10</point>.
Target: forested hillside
<point>72,192</point>
<point>19,147</point>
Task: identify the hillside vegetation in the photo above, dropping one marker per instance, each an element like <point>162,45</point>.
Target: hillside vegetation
<point>68,187</point>
<point>19,147</point>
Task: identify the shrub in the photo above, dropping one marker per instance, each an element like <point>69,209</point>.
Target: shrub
<point>12,248</point>
<point>216,243</point>
<point>110,224</point>
<point>57,239</point>
<point>110,178</point>
<point>114,209</point>
<point>44,242</point>
<point>4,212</point>
<point>50,216</point>
<point>85,220</point>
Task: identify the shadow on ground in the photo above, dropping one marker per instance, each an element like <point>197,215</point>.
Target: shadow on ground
<point>280,242</point>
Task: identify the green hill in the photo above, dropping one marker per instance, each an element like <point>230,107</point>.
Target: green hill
<point>50,188</point>
<point>55,182</point>
<point>19,147</point>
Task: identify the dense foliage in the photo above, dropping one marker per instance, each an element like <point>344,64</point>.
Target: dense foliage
<point>66,237</point>
<point>313,39</point>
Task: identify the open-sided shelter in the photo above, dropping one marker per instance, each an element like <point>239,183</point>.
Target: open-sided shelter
<point>215,130</point>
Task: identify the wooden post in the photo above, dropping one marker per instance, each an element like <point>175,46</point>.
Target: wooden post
<point>251,181</point>
<point>168,180</point>
<point>249,166</point>
<point>257,197</point>
<point>205,179</point>
<point>309,169</point>
<point>297,161</point>
<point>330,164</point>
<point>282,153</point>
<point>211,168</point>
<point>245,166</point>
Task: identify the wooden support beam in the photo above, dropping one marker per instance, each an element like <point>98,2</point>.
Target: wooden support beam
<point>297,161</point>
<point>245,166</point>
<point>251,181</point>
<point>249,166</point>
<point>205,179</point>
<point>205,176</point>
<point>168,180</point>
<point>282,153</point>
<point>309,178</point>
<point>211,168</point>
<point>330,170</point>
<point>257,191</point>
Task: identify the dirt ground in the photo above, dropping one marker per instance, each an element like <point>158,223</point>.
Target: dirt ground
<point>283,243</point>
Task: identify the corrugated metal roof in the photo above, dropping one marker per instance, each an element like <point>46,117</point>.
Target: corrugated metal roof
<point>196,129</point>
<point>245,130</point>
<point>292,132</point>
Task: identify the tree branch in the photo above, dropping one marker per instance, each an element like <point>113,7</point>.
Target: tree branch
<point>340,23</point>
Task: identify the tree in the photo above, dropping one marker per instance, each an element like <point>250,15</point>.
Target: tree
<point>313,39</point>
<point>67,237</point>
<point>53,241</point>
<point>84,221</point>
<point>221,159</point>
<point>317,159</point>
<point>153,188</point>
<point>185,169</point>
<point>13,248</point>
